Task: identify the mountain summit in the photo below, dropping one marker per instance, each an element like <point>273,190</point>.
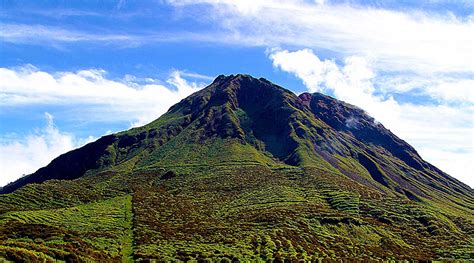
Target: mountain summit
<point>240,118</point>
<point>245,169</point>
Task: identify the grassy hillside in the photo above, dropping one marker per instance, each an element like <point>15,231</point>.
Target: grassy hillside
<point>94,231</point>
<point>241,171</point>
<point>225,213</point>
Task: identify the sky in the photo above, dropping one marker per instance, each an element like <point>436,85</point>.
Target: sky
<point>73,71</point>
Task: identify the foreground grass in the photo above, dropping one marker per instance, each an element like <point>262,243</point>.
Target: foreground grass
<point>226,213</point>
<point>99,230</point>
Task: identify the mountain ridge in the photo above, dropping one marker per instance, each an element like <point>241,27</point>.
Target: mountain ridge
<point>241,170</point>
<point>226,95</point>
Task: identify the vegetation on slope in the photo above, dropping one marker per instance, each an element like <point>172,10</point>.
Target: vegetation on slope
<point>98,231</point>
<point>232,212</point>
<point>242,170</point>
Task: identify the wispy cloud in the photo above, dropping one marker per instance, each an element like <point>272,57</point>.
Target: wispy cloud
<point>56,36</point>
<point>441,88</point>
<point>40,34</point>
<point>395,41</point>
<point>186,74</point>
<point>411,40</point>
<point>441,133</point>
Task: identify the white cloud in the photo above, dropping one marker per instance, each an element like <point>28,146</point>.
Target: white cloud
<point>407,40</point>
<point>194,75</point>
<point>397,41</point>
<point>438,87</point>
<point>441,133</point>
<point>26,155</point>
<point>351,83</point>
<point>23,33</point>
<point>455,90</point>
<point>90,90</point>
<point>56,36</point>
<point>460,165</point>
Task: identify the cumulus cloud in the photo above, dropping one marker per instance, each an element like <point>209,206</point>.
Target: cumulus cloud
<point>25,155</point>
<point>442,133</point>
<point>109,100</point>
<point>352,82</point>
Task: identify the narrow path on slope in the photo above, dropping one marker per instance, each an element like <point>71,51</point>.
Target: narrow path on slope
<point>127,239</point>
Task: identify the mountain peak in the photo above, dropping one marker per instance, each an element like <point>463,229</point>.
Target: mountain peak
<point>305,98</point>
<point>223,78</point>
<point>238,118</point>
<point>239,79</point>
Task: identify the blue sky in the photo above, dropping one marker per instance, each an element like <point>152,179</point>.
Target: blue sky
<point>72,71</point>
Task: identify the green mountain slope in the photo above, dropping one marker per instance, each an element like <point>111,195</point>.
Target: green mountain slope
<point>241,170</point>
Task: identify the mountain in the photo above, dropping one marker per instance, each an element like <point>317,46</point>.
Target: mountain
<point>241,170</point>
